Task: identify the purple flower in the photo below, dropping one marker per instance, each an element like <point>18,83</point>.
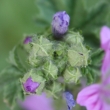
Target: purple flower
<point>27,40</point>
<point>69,100</point>
<point>105,45</point>
<point>37,102</point>
<point>96,96</point>
<point>60,23</point>
<point>30,86</point>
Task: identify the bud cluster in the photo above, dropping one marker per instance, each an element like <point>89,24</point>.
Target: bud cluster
<point>52,59</point>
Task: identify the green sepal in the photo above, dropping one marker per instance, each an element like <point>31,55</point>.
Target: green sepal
<point>35,60</point>
<point>72,75</point>
<point>50,70</point>
<point>41,46</point>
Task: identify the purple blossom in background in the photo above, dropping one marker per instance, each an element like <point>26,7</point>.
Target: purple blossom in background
<point>105,45</point>
<point>27,40</point>
<point>96,96</point>
<point>69,100</point>
<point>37,102</point>
<point>30,86</point>
<point>60,23</point>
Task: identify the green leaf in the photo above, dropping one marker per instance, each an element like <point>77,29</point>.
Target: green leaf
<point>96,17</point>
<point>87,74</point>
<point>9,74</point>
<point>12,94</point>
<point>92,71</point>
<point>78,9</point>
<point>48,9</point>
<point>12,57</point>
<point>15,60</point>
<point>10,85</point>
<point>90,77</point>
<point>97,57</point>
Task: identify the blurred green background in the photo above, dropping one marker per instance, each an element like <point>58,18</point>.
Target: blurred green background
<point>20,17</point>
<point>16,19</point>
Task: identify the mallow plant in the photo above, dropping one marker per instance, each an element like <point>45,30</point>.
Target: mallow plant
<point>45,68</point>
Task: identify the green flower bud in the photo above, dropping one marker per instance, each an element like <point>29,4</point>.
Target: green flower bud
<point>50,70</point>
<point>72,75</point>
<point>35,60</point>
<point>40,49</point>
<point>78,55</point>
<point>27,42</point>
<point>73,38</point>
<point>54,89</point>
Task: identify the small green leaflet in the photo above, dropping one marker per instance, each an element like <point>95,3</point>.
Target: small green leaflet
<point>10,84</point>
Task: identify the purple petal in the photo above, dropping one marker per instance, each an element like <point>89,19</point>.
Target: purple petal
<point>30,86</point>
<point>27,40</point>
<point>93,97</point>
<point>88,93</point>
<point>60,23</point>
<point>106,78</point>
<point>88,96</point>
<point>69,100</point>
<point>104,37</point>
<point>106,61</point>
<point>37,102</point>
